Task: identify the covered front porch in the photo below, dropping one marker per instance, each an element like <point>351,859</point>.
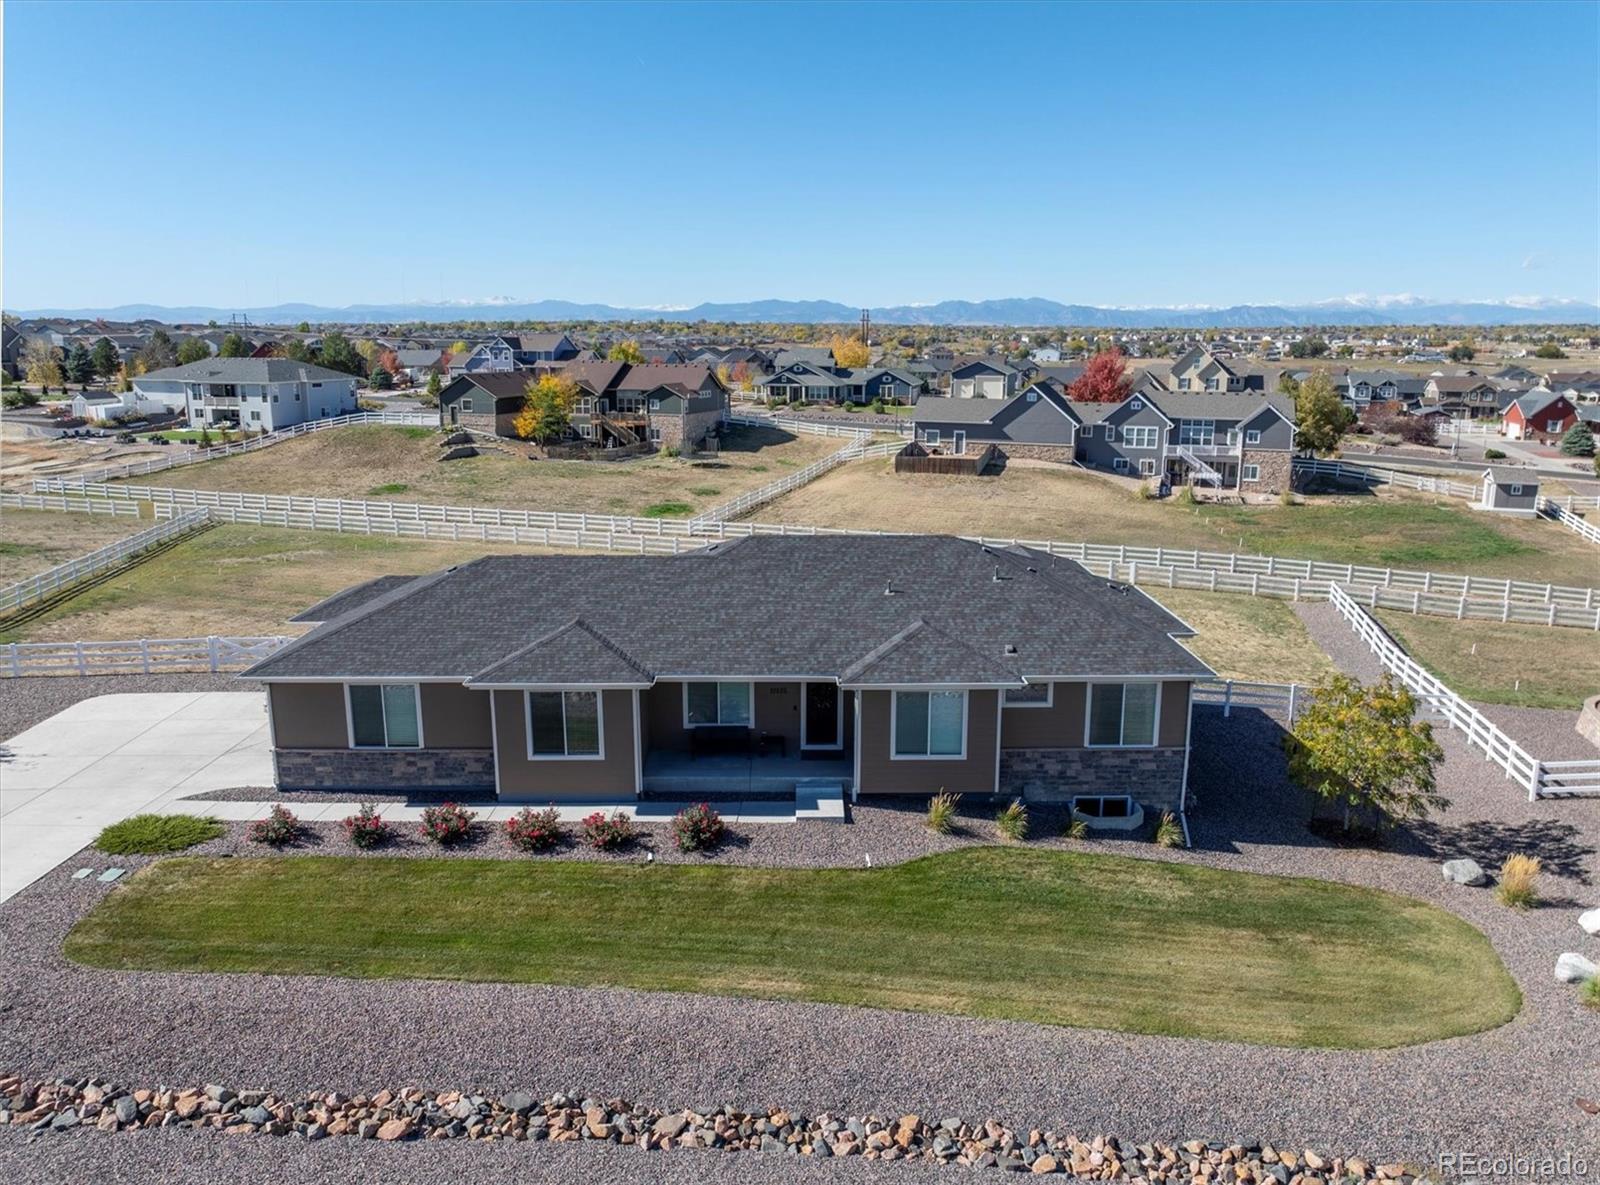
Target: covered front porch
<point>675,773</point>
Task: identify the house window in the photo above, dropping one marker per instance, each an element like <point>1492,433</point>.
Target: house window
<point>1515,490</point>
<point>1147,466</point>
<point>384,715</point>
<point>466,404</point>
<point>564,724</point>
<point>1211,384</point>
<point>1139,436</point>
<point>1120,464</point>
<point>655,436</point>
<point>256,416</point>
<point>930,436</point>
<point>1197,432</point>
<point>1136,403</point>
<point>1552,425</point>
<point>1111,431</point>
<point>1252,472</point>
<point>1183,384</point>
<point>929,724</point>
<point>1034,695</point>
<point>716,703</point>
<point>655,405</point>
<point>1033,396</point>
<point>1122,715</point>
<point>1252,436</point>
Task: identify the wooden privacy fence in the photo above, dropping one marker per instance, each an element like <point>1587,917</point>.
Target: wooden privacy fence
<point>140,656</point>
<point>1434,593</point>
<point>179,457</point>
<point>1541,779</point>
<point>914,458</point>
<point>36,588</point>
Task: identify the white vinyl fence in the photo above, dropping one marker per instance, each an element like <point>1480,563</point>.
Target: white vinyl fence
<point>776,489</point>
<point>1378,475</point>
<point>1229,694</point>
<point>36,588</point>
<point>1541,779</point>
<point>178,457</point>
<point>1550,508</point>
<point>1434,593</point>
<point>805,427</point>
<point>80,505</point>
<point>139,656</point>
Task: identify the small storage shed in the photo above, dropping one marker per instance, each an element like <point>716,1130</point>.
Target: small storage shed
<point>1506,491</point>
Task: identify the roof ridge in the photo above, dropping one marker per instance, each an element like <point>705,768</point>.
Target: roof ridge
<point>575,623</point>
<point>882,648</point>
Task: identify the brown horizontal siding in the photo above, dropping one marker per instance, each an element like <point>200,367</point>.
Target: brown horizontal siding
<point>455,717</point>
<point>540,781</point>
<point>1174,715</point>
<point>1060,726</point>
<point>974,774</point>
<point>308,715</point>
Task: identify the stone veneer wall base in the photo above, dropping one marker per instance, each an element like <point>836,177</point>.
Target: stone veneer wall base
<point>1153,777</point>
<point>400,770</point>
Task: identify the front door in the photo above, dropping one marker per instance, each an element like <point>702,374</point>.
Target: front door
<point>961,443</point>
<point>821,722</point>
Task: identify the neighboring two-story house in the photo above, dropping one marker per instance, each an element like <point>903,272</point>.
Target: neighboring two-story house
<point>1241,442</point>
<point>529,349</point>
<point>256,394</point>
<point>960,667</point>
<point>1541,415</point>
<point>1391,390</point>
<point>492,355</point>
<point>1464,397</point>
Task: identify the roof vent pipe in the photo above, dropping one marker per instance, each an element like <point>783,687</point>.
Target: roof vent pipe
<point>1011,650</point>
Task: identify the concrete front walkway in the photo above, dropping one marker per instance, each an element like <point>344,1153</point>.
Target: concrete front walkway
<point>112,756</point>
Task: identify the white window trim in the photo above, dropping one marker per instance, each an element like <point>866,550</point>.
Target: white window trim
<point>1122,723</point>
<point>1252,436</point>
<point>350,718</point>
<point>599,719</point>
<point>1119,464</point>
<point>930,436</point>
<point>894,722</point>
<point>1251,473</point>
<point>839,745</point>
<point>1135,436</point>
<point>1147,466</point>
<point>1515,490</point>
<point>1048,701</point>
<point>687,723</point>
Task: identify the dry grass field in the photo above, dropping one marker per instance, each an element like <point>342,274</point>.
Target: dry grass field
<point>1241,637</point>
<point>1528,666</point>
<point>1042,501</point>
<point>402,464</point>
<point>237,580</point>
<point>33,540</point>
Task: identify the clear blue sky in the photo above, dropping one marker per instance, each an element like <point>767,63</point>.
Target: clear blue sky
<point>250,154</point>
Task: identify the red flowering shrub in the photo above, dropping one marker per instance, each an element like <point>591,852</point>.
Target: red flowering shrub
<point>447,824</point>
<point>697,828</point>
<point>280,827</point>
<point>535,831</point>
<point>366,828</point>
<point>608,832</point>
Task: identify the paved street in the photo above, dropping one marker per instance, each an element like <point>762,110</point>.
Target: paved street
<point>106,758</point>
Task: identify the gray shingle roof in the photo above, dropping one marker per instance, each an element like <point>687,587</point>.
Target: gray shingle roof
<point>943,409</point>
<point>684,617</point>
<point>245,370</point>
<point>350,599</point>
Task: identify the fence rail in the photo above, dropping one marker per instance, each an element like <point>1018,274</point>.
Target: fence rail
<point>1564,515</point>
<point>1434,593</point>
<point>808,427</point>
<point>37,588</point>
<point>1378,475</point>
<point>139,656</point>
<point>60,502</point>
<point>776,489</point>
<point>194,456</point>
<point>1228,694</point>
<point>1539,778</point>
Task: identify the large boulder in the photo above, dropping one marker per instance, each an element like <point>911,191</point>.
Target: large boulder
<point>1574,968</point>
<point>1464,872</point>
<point>1590,921</point>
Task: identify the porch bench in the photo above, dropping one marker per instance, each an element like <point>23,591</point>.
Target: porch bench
<point>706,739</point>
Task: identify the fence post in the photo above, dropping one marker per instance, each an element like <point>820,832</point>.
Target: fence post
<point>211,651</point>
<point>77,650</point>
<point>1293,690</point>
<point>1227,698</point>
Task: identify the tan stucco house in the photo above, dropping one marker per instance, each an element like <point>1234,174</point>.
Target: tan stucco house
<point>909,665</point>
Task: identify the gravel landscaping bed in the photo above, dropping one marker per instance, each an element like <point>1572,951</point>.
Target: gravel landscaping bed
<point>25,702</point>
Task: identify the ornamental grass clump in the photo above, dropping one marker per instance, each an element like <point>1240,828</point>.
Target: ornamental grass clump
<point>608,833</point>
<point>535,831</point>
<point>447,824</point>
<point>366,828</point>
<point>1519,881</point>
<point>1168,833</point>
<point>1589,993</point>
<point>942,812</point>
<point>1012,821</point>
<point>697,828</point>
<point>1076,829</point>
<point>277,830</point>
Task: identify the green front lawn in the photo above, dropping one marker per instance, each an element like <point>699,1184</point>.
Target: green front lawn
<point>1059,938</point>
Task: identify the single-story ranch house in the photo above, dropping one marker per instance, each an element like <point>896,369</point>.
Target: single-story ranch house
<point>959,667</point>
<point>1231,441</point>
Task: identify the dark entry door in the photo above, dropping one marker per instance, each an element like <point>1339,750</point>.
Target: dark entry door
<point>822,724</point>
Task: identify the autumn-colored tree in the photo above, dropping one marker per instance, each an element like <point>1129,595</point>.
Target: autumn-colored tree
<point>740,375</point>
<point>850,351</point>
<point>725,375</point>
<point>41,364</point>
<point>459,347</point>
<point>1363,748</point>
<point>1104,380</point>
<point>625,351</point>
<point>547,410</point>
<point>390,361</point>
<point>1321,416</point>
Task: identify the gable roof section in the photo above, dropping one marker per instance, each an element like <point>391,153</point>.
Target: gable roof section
<point>682,617</point>
<point>501,384</point>
<point>352,598</point>
<point>575,654</point>
<point>921,653</point>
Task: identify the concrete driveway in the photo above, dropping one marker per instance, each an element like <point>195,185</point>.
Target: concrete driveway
<point>106,758</point>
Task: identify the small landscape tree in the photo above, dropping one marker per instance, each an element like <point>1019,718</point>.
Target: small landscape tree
<point>381,380</point>
<point>435,385</point>
<point>234,346</point>
<point>1104,379</point>
<point>1549,350</point>
<point>104,357</point>
<point>193,349</point>
<point>1363,748</point>
<point>79,365</point>
<point>625,351</point>
<point>41,364</point>
<point>1462,353</point>
<point>850,351</point>
<point>1322,415</point>
<point>547,411</point>
<point>157,353</point>
<point>1578,441</point>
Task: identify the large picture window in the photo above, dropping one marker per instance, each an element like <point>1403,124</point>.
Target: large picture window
<point>384,716</point>
<point>564,724</point>
<point>716,703</point>
<point>930,724</point>
<point>1122,714</point>
<point>1139,436</point>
